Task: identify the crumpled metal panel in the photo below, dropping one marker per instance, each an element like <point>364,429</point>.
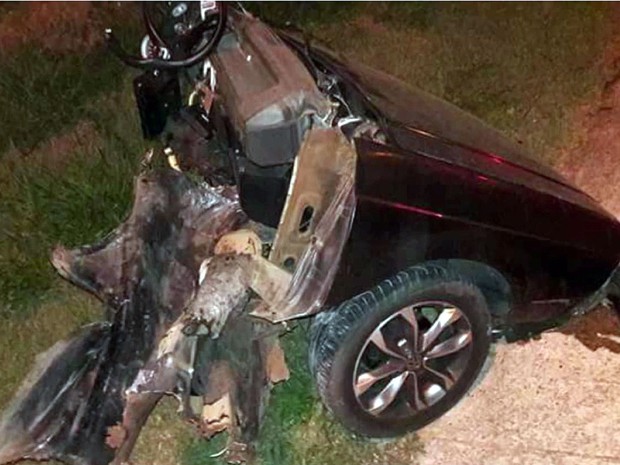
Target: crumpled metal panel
<point>324,183</point>
<point>178,314</point>
<point>75,406</point>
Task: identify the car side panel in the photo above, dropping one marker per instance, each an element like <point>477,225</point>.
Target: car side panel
<point>414,208</point>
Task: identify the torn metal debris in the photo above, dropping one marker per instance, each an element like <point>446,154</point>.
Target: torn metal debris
<point>177,279</point>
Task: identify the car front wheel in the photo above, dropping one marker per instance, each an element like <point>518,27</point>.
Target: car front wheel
<point>397,357</point>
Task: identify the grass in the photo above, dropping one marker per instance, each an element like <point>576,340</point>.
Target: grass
<point>69,188</point>
<point>298,430</point>
<point>44,91</point>
<point>523,68</point>
<point>21,339</point>
<point>33,79</point>
<point>41,207</point>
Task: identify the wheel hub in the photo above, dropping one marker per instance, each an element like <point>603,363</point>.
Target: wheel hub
<point>414,363</point>
<point>412,359</point>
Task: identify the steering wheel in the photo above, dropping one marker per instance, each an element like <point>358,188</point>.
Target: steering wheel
<point>186,45</point>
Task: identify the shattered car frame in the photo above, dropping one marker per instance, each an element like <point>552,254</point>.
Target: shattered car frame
<point>418,234</point>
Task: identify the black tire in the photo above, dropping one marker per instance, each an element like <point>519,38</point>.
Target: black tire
<point>338,337</point>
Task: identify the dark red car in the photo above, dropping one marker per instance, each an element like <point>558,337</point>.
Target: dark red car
<point>459,238</point>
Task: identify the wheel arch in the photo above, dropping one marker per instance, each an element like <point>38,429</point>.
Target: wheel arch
<point>493,285</point>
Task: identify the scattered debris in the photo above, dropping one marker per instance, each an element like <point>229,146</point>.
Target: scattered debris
<point>217,416</point>
<point>276,364</point>
<point>116,436</point>
<point>145,273</point>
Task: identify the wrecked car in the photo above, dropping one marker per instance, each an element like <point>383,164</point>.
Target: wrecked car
<point>298,184</point>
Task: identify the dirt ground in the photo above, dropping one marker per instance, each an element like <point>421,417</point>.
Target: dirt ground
<point>550,401</point>
<point>591,162</point>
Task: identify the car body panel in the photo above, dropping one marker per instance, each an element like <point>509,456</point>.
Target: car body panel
<point>444,186</point>
<point>494,188</point>
<point>414,219</point>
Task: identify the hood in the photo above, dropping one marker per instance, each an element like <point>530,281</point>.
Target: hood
<point>422,112</point>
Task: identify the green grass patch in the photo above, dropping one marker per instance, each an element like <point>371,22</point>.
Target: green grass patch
<point>23,337</point>
<point>58,185</point>
<point>41,205</point>
<point>41,94</point>
<point>291,404</point>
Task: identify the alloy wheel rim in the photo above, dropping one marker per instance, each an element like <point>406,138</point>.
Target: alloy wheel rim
<point>412,359</point>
